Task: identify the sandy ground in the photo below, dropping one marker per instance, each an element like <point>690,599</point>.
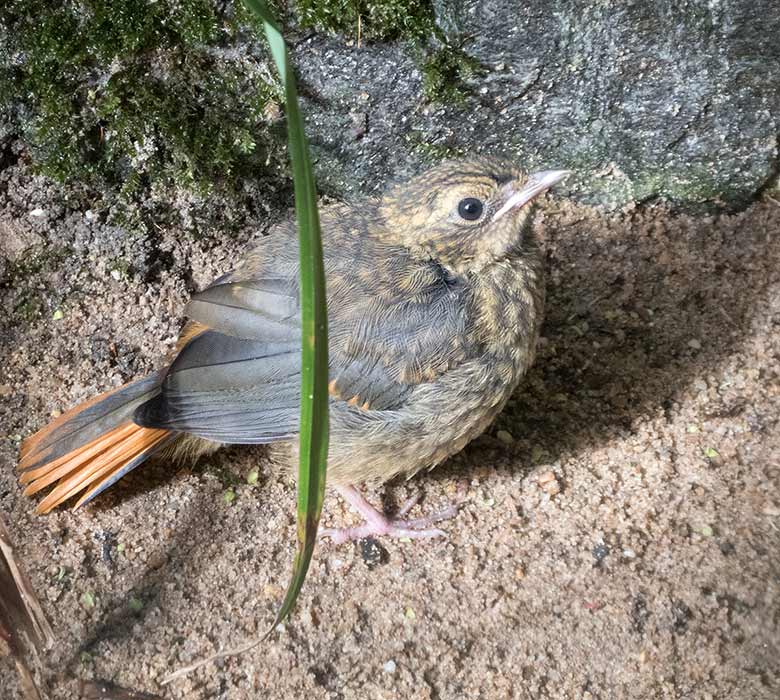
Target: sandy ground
<point>620,531</point>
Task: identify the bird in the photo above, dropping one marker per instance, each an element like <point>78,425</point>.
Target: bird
<point>435,297</point>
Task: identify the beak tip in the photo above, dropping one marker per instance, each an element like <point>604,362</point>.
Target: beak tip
<point>535,185</point>
<point>550,177</point>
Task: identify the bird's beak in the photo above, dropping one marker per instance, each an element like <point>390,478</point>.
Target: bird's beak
<point>534,186</point>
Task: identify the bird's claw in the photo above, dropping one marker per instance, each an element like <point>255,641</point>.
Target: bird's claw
<point>379,525</point>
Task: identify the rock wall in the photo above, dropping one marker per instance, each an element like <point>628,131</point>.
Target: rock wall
<point>642,99</point>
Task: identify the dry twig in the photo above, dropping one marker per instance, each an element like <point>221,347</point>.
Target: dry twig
<point>22,623</point>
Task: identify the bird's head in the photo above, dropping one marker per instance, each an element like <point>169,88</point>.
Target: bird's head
<point>466,214</point>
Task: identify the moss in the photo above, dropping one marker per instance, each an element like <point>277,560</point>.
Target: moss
<point>382,20</point>
<point>445,66</point>
<point>433,152</point>
<point>29,297</point>
<point>36,260</point>
<point>228,479</point>
<point>115,92</point>
<point>121,267</point>
<point>141,98</point>
<point>29,306</point>
<point>445,71</point>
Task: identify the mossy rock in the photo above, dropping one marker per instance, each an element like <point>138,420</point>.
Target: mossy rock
<point>113,92</point>
<point>383,20</point>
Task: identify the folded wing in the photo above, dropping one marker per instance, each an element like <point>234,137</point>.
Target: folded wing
<point>394,323</point>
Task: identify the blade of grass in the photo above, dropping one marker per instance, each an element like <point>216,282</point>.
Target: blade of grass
<point>314,322</point>
<point>313,446</point>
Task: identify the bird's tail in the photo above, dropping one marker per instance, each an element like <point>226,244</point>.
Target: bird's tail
<point>91,446</point>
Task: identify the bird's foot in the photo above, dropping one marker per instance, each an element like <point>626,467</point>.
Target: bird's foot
<point>378,524</point>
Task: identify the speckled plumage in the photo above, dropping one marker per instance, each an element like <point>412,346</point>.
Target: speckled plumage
<point>432,324</point>
<point>433,320</point>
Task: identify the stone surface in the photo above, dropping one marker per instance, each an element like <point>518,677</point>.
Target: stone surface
<point>642,99</point>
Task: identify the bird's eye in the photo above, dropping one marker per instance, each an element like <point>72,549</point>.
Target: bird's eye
<point>470,208</point>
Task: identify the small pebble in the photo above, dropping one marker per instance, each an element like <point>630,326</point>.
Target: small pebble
<point>37,212</point>
<point>389,667</point>
<point>372,553</point>
<point>359,125</point>
<point>116,274</point>
<point>694,344</point>
<point>272,111</point>
<point>548,482</point>
<point>505,436</point>
<point>600,552</point>
<point>727,548</point>
<point>271,590</point>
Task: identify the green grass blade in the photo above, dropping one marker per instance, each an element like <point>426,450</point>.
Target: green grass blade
<point>314,331</point>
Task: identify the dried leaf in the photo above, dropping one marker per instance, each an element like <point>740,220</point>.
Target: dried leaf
<point>22,622</point>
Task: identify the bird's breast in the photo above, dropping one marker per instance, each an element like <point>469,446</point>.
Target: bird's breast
<point>506,314</point>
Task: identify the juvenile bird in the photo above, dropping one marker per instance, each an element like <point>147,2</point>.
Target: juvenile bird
<point>435,295</point>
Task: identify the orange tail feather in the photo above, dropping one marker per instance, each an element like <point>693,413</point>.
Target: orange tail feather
<point>93,467</point>
<point>91,446</point>
<point>34,447</point>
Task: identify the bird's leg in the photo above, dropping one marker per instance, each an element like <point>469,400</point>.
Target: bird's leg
<point>377,523</point>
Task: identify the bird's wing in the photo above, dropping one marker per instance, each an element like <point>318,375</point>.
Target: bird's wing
<point>393,324</point>
<point>229,389</point>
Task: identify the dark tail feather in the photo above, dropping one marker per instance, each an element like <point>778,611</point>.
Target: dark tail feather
<point>91,446</point>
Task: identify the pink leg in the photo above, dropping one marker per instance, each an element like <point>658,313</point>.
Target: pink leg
<point>377,523</point>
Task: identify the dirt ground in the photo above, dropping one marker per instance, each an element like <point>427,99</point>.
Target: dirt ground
<point>620,533</point>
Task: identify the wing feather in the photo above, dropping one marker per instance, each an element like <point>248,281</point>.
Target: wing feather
<point>394,322</point>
